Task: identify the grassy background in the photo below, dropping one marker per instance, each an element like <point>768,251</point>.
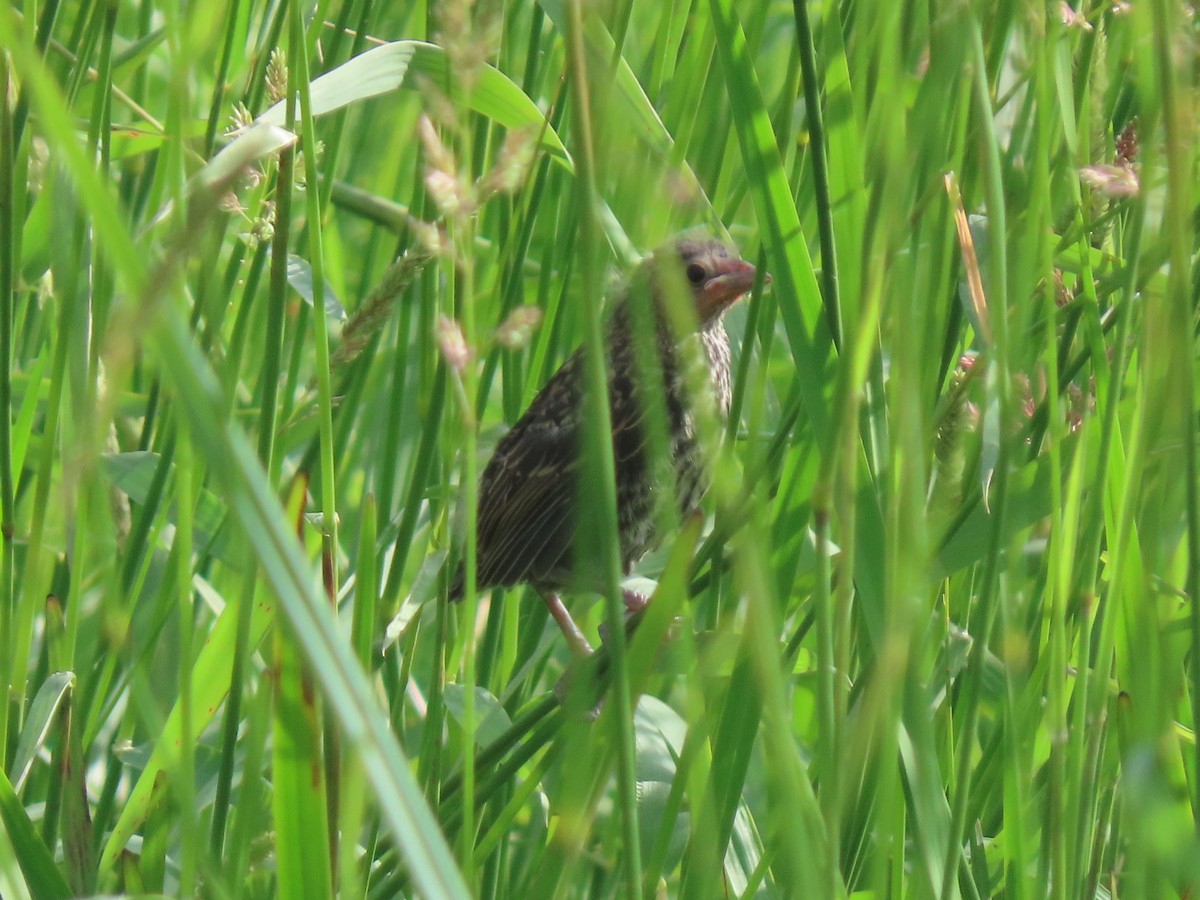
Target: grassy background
<point>939,636</point>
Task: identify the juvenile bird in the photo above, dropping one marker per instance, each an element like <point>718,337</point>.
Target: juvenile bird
<point>528,494</point>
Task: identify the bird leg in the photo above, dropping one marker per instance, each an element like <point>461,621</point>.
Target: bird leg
<point>575,640</point>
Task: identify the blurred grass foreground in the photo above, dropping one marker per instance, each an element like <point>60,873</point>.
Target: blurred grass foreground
<point>276,275</point>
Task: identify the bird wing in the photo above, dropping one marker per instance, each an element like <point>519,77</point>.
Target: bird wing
<point>527,517</point>
<point>527,494</point>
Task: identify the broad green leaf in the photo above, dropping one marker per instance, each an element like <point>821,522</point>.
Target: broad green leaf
<point>424,589</point>
<point>259,139</point>
<point>55,691</point>
<point>132,472</point>
<point>660,732</point>
<point>491,720</point>
<point>298,799</point>
<point>299,276</point>
<point>744,853</point>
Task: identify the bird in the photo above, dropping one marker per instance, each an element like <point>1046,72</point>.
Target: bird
<point>526,524</point>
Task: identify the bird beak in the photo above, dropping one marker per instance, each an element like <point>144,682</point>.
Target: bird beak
<point>734,278</point>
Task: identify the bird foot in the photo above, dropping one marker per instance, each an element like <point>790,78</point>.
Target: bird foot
<point>634,602</point>
<point>635,606</point>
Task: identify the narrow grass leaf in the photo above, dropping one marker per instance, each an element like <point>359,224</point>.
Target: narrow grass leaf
<point>210,684</point>
<point>37,863</point>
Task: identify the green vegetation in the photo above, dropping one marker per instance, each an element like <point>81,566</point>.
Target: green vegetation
<point>938,634</point>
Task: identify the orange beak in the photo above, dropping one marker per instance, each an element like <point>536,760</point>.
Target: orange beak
<point>734,278</point>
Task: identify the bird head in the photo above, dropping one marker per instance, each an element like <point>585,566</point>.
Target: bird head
<point>712,274</point>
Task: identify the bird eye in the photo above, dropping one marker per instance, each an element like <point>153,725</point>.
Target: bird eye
<point>695,273</point>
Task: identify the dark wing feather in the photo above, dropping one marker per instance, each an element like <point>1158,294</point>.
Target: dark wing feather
<point>526,504</point>
<point>526,518</point>
<point>527,496</point>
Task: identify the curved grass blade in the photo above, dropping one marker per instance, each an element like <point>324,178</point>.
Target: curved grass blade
<point>363,722</point>
<point>388,67</point>
<point>42,714</point>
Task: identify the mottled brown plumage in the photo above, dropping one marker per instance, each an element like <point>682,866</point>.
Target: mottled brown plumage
<point>527,494</point>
